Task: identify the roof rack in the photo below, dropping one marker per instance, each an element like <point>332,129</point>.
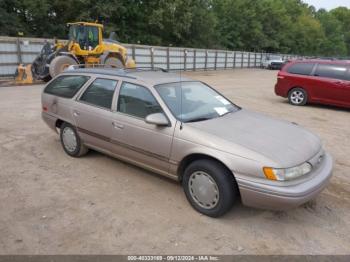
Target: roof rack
<point>144,68</point>
<point>100,66</point>
<point>98,69</point>
<point>80,66</point>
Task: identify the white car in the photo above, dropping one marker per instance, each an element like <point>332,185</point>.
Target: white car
<point>272,62</point>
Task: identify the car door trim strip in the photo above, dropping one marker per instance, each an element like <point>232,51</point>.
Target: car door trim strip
<point>136,149</point>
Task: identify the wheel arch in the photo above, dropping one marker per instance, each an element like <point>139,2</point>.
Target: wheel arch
<point>187,160</point>
<point>296,86</point>
<point>59,123</point>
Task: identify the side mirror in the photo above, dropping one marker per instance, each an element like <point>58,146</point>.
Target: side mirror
<point>158,119</point>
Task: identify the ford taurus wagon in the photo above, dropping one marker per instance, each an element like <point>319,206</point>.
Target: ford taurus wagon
<point>186,130</point>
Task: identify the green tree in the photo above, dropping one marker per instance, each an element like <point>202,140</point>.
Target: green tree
<point>342,14</point>
<point>288,26</point>
<point>333,44</point>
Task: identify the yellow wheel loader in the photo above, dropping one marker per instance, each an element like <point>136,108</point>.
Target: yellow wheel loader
<point>85,47</point>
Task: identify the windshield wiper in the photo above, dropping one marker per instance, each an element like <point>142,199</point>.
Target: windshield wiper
<point>198,119</point>
<point>224,114</point>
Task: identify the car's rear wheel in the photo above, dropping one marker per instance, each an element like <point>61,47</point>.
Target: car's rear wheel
<point>297,96</point>
<point>71,141</point>
<point>210,187</point>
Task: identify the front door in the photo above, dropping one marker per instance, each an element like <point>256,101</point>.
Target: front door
<point>134,139</point>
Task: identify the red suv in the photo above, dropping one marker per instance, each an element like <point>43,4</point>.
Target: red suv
<point>315,81</point>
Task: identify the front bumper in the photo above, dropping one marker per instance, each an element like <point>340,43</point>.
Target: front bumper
<point>276,65</point>
<point>274,197</point>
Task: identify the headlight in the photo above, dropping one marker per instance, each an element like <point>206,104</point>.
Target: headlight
<point>282,174</point>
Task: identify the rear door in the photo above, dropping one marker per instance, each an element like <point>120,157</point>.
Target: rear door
<point>133,138</point>
<point>329,82</point>
<point>92,113</point>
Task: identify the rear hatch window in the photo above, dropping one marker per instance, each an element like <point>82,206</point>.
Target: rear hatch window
<point>66,86</point>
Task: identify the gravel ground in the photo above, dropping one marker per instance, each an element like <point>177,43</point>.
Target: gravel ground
<point>51,203</point>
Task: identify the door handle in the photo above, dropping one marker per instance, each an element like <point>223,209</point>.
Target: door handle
<point>118,125</point>
<point>76,113</point>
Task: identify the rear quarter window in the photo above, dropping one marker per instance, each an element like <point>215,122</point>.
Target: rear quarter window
<point>66,86</point>
<point>301,68</point>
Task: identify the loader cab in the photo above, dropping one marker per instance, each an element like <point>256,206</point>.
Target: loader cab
<point>88,36</point>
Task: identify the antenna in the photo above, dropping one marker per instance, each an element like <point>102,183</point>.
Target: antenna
<point>181,122</point>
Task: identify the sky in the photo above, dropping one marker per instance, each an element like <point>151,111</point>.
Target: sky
<point>328,4</point>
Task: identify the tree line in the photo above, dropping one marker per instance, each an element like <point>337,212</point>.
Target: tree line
<point>285,26</point>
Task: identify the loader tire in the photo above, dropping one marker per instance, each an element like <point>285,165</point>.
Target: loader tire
<point>114,62</point>
<point>46,78</point>
<point>59,64</point>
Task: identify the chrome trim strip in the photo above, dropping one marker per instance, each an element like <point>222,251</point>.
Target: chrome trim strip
<point>136,149</point>
<point>126,159</point>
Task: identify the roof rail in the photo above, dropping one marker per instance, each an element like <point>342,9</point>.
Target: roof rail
<point>110,70</point>
<point>72,67</point>
<point>98,69</point>
<point>144,68</point>
<point>79,66</point>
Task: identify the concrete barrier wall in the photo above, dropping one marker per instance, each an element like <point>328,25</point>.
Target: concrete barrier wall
<point>15,51</point>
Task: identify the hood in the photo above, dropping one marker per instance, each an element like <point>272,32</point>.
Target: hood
<point>284,143</point>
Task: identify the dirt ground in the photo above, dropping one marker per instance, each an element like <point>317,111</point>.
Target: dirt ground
<point>51,203</point>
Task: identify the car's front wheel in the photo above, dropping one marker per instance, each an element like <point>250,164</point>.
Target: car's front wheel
<point>297,96</point>
<point>71,141</point>
<point>209,187</point>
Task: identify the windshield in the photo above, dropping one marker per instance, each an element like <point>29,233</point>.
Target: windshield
<point>199,102</point>
<point>84,35</point>
<point>275,57</point>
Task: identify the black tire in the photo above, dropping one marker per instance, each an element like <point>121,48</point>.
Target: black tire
<point>297,96</point>
<point>59,64</point>
<point>46,78</point>
<point>80,148</point>
<point>225,182</point>
<point>114,62</point>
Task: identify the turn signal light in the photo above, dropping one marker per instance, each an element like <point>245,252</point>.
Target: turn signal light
<point>269,173</point>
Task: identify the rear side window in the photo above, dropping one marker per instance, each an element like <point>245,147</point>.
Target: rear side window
<point>137,101</point>
<point>66,86</point>
<point>301,68</point>
<point>331,71</point>
<point>100,93</point>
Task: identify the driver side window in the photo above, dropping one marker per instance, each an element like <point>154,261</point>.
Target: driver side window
<point>137,101</point>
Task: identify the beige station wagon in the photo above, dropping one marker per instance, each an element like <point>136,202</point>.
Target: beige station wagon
<point>184,129</point>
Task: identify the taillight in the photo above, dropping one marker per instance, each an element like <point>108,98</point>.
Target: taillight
<point>280,77</point>
<point>44,108</point>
